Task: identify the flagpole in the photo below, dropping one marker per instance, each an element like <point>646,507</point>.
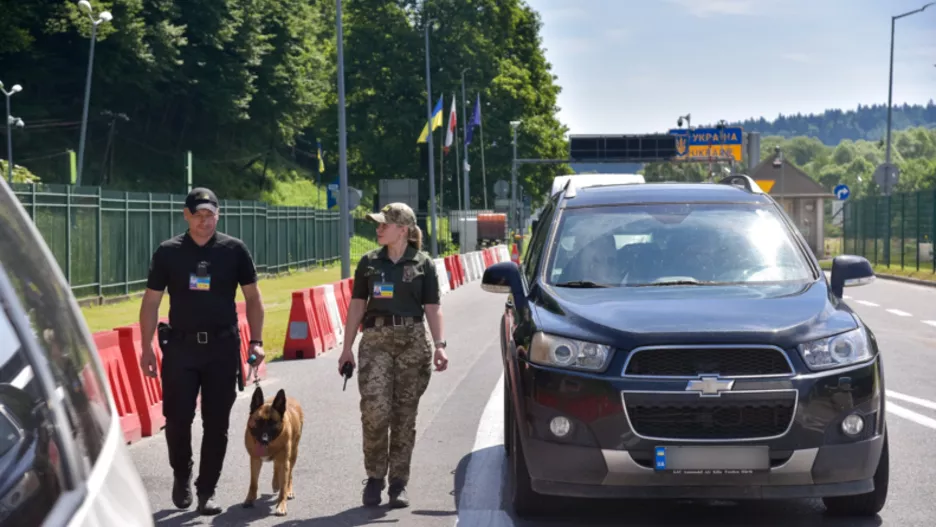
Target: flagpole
<point>466,168</point>
<point>442,168</point>
<point>483,169</point>
<point>432,198</point>
<point>458,169</point>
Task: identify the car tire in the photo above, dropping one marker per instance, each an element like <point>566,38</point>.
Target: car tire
<point>868,504</point>
<point>525,501</point>
<point>508,419</point>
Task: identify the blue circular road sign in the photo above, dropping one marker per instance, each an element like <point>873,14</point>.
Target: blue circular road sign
<point>841,191</point>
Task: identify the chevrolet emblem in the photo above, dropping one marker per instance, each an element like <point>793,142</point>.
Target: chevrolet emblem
<point>709,386</point>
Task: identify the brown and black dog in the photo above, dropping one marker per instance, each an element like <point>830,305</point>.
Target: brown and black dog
<point>273,433</point>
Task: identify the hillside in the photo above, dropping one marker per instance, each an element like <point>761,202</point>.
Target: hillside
<point>831,127</point>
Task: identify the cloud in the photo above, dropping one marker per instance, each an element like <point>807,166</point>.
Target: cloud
<point>706,8</point>
<point>563,13</point>
<point>573,45</point>
<point>796,57</point>
<point>615,35</point>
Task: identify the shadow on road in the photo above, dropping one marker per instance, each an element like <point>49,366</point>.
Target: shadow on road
<point>565,512</point>
<point>262,511</point>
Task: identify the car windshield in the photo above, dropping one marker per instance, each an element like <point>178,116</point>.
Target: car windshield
<point>667,244</point>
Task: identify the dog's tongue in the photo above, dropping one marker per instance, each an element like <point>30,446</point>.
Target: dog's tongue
<point>259,450</point>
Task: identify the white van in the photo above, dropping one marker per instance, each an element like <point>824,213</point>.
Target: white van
<point>63,459</point>
<point>591,180</point>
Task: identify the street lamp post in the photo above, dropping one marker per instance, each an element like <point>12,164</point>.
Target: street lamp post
<point>432,197</point>
<point>344,213</point>
<point>9,125</point>
<point>890,93</point>
<point>105,16</point>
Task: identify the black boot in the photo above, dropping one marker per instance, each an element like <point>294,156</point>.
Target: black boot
<point>182,492</point>
<point>372,490</point>
<point>207,506</point>
<point>397,495</point>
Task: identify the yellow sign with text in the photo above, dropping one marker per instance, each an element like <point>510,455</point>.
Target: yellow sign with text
<point>704,152</point>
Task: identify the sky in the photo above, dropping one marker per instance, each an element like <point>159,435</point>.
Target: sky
<point>635,66</point>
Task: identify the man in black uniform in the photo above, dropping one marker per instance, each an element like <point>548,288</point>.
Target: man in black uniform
<point>201,269</point>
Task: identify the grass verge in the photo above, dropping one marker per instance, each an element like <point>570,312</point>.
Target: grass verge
<point>922,274</point>
<point>277,297</point>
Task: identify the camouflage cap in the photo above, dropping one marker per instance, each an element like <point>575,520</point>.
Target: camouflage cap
<point>396,213</point>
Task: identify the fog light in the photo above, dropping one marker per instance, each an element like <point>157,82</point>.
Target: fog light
<point>560,426</point>
<point>853,425</point>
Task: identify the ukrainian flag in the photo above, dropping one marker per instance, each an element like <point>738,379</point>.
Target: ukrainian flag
<point>320,160</point>
<point>436,122</point>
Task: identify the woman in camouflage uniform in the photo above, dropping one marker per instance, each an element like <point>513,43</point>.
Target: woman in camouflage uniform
<point>395,287</point>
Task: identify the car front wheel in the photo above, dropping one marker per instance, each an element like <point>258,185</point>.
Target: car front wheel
<point>508,420</point>
<point>868,504</point>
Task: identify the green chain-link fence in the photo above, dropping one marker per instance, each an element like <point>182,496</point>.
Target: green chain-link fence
<point>103,239</point>
<point>894,231</point>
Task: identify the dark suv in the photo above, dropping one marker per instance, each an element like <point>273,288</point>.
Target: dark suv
<point>681,341</point>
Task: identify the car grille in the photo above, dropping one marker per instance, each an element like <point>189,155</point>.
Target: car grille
<point>734,416</point>
<point>692,362</point>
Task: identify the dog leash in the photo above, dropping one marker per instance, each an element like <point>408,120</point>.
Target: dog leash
<point>254,369</point>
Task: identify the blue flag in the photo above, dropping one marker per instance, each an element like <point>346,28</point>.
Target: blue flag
<point>475,120</point>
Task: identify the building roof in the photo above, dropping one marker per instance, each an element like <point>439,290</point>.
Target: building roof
<point>789,181</point>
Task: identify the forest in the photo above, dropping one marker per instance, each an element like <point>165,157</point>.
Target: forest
<point>831,127</point>
<point>249,87</point>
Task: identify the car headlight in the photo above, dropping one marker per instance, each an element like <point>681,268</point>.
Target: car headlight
<point>840,350</point>
<point>553,350</point>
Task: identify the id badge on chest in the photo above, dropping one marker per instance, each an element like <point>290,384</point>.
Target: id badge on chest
<point>382,288</point>
<point>200,280</point>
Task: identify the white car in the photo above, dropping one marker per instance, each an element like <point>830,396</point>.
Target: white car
<point>63,458</point>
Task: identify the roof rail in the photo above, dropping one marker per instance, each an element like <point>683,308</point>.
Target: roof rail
<point>742,181</point>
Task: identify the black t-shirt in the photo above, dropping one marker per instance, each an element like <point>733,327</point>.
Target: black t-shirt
<point>202,281</point>
<point>402,288</point>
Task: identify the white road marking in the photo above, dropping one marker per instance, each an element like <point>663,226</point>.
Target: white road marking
<point>480,500</point>
<point>846,297</point>
<point>865,302</point>
<point>911,415</point>
<point>899,313</point>
<point>911,399</point>
<point>930,322</point>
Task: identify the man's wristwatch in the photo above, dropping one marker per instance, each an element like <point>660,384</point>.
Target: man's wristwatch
<point>441,344</point>
<point>257,342</point>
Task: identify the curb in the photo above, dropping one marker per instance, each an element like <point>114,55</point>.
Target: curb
<point>905,279</point>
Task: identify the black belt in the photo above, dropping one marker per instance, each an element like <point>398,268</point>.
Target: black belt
<point>202,337</point>
<point>394,320</point>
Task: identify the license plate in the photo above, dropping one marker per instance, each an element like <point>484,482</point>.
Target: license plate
<point>712,460</point>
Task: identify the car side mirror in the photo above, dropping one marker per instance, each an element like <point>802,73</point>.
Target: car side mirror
<point>504,277</point>
<point>849,271</point>
<point>533,225</point>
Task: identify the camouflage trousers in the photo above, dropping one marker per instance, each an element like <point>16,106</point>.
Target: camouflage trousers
<point>394,366</point>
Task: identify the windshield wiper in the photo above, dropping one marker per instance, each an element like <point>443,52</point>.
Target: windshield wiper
<point>674,282</point>
<point>584,284</point>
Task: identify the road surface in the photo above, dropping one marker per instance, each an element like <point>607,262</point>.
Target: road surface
<point>459,469</point>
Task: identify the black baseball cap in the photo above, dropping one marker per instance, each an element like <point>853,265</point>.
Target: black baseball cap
<point>201,198</point>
